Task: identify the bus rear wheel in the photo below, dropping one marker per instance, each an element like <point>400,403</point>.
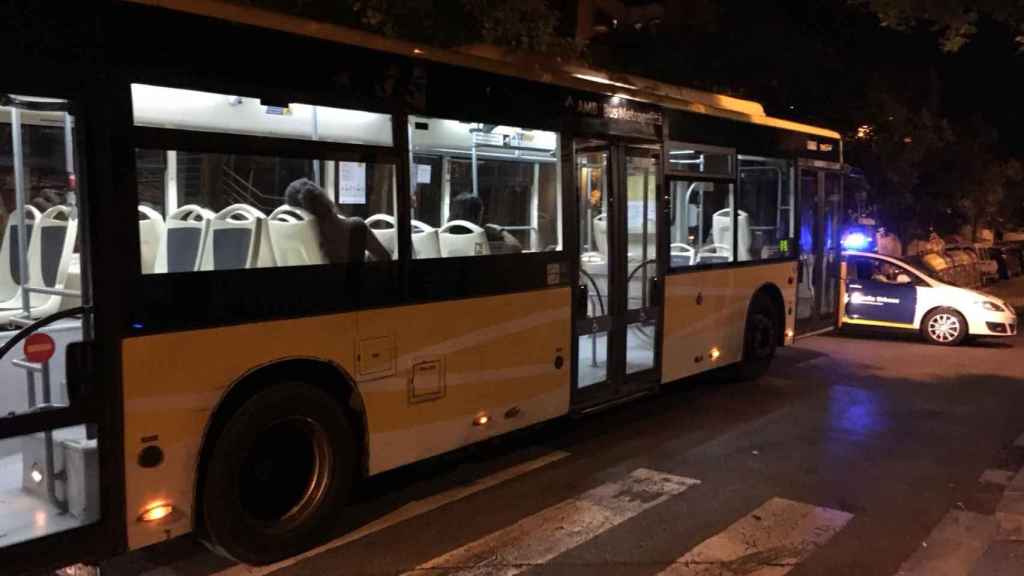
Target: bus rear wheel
<point>279,473</point>
<point>760,339</point>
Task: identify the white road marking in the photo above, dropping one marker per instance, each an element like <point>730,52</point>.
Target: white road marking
<point>539,538</point>
<point>953,547</point>
<point>996,476</point>
<point>770,541</point>
<point>1019,443</point>
<point>410,510</point>
<point>1010,510</point>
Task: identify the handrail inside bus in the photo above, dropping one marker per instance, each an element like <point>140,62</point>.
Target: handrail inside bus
<point>45,321</point>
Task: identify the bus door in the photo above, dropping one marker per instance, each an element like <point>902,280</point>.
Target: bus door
<point>617,290</point>
<point>820,207</point>
<point>50,485</point>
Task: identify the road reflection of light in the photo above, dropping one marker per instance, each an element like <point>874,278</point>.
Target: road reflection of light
<point>855,410</point>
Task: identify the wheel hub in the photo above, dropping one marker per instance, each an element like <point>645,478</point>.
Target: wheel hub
<point>944,327</point>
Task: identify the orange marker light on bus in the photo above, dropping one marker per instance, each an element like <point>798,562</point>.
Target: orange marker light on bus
<point>156,512</point>
<point>481,419</point>
<point>714,353</point>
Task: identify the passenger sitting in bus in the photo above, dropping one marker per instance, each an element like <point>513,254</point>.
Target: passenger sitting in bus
<point>467,207</point>
<point>341,240</point>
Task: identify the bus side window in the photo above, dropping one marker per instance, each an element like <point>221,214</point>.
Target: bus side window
<point>484,189</point>
<point>229,209</point>
<point>766,213</point>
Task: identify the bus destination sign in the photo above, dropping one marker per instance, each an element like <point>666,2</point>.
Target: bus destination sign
<point>615,108</point>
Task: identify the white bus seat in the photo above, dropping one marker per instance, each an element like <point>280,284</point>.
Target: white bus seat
<point>10,256</point>
<point>49,256</point>
<point>601,234</point>
<point>151,233</point>
<point>684,252</point>
<point>721,231</point>
<point>294,237</point>
<point>425,243</point>
<point>238,238</point>
<point>185,233</point>
<point>471,243</point>
<point>711,253</point>
<point>73,282</point>
<point>387,235</point>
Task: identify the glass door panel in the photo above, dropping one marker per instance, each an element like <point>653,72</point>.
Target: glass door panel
<point>49,455</point>
<point>641,258</point>
<point>830,246</point>
<point>617,298</point>
<point>594,315</point>
<point>808,289</point>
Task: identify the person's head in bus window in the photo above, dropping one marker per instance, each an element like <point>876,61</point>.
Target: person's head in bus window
<point>341,240</point>
<point>467,207</point>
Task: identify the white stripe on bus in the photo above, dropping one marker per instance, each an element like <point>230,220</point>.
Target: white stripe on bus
<point>406,512</point>
<point>538,538</point>
<point>771,540</point>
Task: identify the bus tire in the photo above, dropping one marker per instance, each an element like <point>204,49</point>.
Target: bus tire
<point>279,473</point>
<point>760,339</point>
<point>944,326</point>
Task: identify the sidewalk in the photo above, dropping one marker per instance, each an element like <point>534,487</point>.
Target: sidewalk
<point>1010,290</point>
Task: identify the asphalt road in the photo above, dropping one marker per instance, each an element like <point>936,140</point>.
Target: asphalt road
<point>855,455</point>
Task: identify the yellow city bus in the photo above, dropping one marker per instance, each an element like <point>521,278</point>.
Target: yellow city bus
<point>248,259</point>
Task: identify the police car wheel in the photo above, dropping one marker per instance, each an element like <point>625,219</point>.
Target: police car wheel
<point>945,327</point>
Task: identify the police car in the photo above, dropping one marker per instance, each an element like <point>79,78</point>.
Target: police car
<point>886,292</point>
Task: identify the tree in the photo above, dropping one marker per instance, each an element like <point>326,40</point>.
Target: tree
<point>894,146</point>
<point>955,20</point>
<point>523,25</point>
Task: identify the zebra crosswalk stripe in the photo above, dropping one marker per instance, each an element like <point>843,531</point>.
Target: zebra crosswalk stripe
<point>953,547</point>
<point>770,541</point>
<point>538,538</point>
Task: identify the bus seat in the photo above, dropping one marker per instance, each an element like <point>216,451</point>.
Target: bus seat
<point>425,243</point>
<point>721,231</point>
<point>294,237</point>
<point>681,254</point>
<point>151,233</point>
<point>384,228</point>
<point>49,256</point>
<point>238,238</point>
<point>601,234</point>
<point>10,255</point>
<point>470,243</point>
<point>185,234</point>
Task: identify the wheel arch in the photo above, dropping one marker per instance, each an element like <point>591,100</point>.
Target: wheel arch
<point>319,372</point>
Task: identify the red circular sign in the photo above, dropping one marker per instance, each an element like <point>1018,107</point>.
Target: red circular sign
<point>39,347</point>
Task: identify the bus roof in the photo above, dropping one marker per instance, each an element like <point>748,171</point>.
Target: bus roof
<point>495,60</point>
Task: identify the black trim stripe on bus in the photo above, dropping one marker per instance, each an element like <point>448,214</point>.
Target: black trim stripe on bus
<point>193,300</point>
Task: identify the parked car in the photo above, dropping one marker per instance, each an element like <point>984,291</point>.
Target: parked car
<point>988,267</point>
<point>967,273</point>
<point>1008,259</point>
<point>937,265</point>
<point>891,293</point>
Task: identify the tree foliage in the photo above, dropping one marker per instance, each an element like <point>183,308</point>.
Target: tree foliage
<point>523,25</point>
<point>955,20</point>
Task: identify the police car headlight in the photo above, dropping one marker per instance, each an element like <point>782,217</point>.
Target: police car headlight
<point>991,306</point>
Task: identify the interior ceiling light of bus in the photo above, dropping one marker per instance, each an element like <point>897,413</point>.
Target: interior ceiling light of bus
<point>696,160</point>
<point>35,103</point>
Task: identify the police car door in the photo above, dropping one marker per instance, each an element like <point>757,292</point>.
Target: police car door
<point>879,293</point>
